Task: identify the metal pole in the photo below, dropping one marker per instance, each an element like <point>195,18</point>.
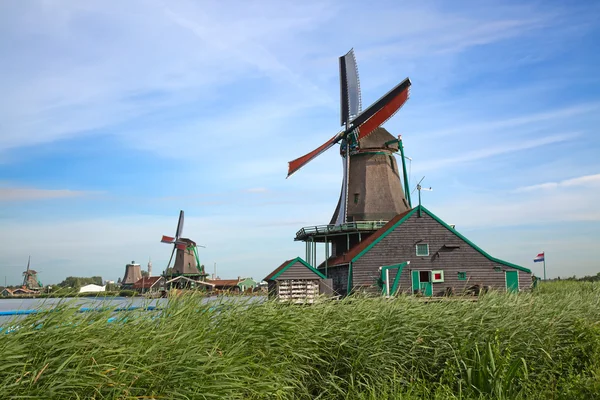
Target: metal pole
<point>406,187</point>
<point>387,281</point>
<point>544,265</point>
<point>326,254</point>
<point>419,190</point>
<point>306,251</point>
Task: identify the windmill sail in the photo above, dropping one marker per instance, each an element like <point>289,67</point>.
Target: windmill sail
<point>179,225</point>
<point>298,163</point>
<point>350,100</point>
<point>383,109</point>
<point>357,122</point>
<point>167,239</point>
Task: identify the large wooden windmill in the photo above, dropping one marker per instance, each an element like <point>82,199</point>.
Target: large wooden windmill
<point>185,250</point>
<point>372,191</point>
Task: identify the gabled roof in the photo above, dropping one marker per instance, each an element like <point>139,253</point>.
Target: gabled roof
<point>185,278</point>
<point>146,283</point>
<point>360,249</point>
<point>286,264</point>
<point>223,282</point>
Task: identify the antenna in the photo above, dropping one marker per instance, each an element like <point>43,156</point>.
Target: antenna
<point>419,188</point>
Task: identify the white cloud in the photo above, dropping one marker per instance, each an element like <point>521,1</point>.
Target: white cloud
<point>257,190</point>
<point>502,125</point>
<point>495,150</point>
<point>21,194</point>
<point>585,181</point>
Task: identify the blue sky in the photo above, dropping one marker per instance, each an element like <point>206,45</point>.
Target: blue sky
<point>116,115</point>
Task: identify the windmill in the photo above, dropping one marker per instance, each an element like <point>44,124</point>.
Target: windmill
<point>371,188</point>
<point>133,273</point>
<point>185,250</point>
<point>30,279</point>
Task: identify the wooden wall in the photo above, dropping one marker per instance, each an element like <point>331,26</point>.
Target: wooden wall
<point>400,246</point>
<point>298,271</point>
<point>339,279</point>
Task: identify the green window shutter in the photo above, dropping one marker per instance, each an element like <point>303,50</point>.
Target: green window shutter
<point>422,249</point>
<point>462,276</point>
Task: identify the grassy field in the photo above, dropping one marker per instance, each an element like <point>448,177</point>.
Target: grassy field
<point>541,345</point>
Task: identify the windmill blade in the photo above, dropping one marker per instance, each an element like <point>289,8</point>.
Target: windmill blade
<point>350,100</point>
<point>167,239</point>
<point>171,258</point>
<point>382,110</point>
<point>179,225</point>
<point>298,163</point>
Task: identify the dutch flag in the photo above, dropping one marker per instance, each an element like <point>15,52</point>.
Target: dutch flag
<point>539,257</point>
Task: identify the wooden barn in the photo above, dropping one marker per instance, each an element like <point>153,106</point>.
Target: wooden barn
<point>295,280</point>
<point>417,252</point>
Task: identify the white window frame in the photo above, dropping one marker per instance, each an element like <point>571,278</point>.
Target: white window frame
<point>417,249</point>
<point>437,271</point>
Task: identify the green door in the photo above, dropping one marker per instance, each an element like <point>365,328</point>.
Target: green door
<point>415,281</point>
<point>425,287</point>
<point>512,281</point>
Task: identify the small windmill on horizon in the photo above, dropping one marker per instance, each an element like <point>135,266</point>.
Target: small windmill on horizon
<point>30,278</point>
<point>185,250</point>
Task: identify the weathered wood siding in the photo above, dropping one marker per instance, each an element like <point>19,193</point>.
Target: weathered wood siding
<point>298,271</point>
<point>339,279</point>
<point>400,245</point>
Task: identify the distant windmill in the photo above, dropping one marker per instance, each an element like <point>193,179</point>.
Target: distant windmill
<point>185,251</point>
<point>30,279</point>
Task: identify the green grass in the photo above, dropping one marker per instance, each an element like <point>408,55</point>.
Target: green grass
<point>541,345</point>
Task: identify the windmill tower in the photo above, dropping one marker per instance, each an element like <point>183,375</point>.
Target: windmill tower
<point>372,190</point>
<point>30,279</point>
<point>133,273</point>
<point>185,250</point>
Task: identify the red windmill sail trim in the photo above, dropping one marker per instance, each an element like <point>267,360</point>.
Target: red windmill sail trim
<point>379,104</point>
<point>385,113</point>
<point>167,239</point>
<point>298,163</point>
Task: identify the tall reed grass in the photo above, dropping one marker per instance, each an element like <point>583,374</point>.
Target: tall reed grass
<point>541,345</point>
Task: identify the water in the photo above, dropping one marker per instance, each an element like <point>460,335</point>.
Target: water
<point>13,304</point>
<point>36,304</point>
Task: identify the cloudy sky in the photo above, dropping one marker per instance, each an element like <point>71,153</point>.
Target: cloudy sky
<point>116,115</point>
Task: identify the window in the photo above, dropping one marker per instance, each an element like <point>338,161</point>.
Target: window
<point>355,198</point>
<point>437,276</point>
<point>422,249</point>
<point>498,269</point>
<point>462,276</point>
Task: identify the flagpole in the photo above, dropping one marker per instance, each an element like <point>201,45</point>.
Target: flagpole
<point>544,265</point>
